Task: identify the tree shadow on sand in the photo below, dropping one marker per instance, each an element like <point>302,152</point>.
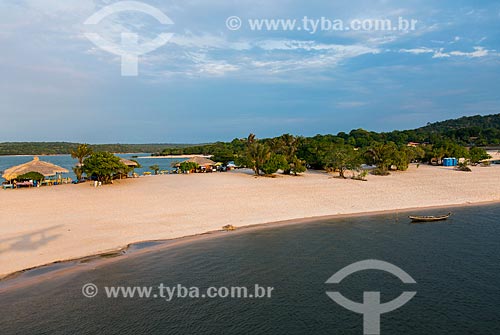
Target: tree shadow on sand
<point>30,241</point>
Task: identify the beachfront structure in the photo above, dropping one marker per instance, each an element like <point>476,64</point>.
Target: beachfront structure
<point>204,163</point>
<point>201,161</point>
<point>129,163</point>
<point>45,169</point>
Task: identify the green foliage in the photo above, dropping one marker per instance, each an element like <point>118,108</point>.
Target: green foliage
<point>438,140</point>
<point>104,166</point>
<point>155,168</point>
<point>274,163</point>
<point>78,170</point>
<point>361,175</point>
<point>343,158</point>
<point>222,153</point>
<point>188,166</point>
<point>31,176</point>
<point>287,145</point>
<point>462,166</point>
<point>138,164</point>
<point>387,155</point>
<point>444,148</point>
<point>64,148</point>
<point>256,155</point>
<point>81,152</point>
<point>383,156</point>
<point>477,154</point>
<point>297,166</point>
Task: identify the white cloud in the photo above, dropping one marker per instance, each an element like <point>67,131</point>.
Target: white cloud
<point>478,52</point>
<point>417,51</point>
<point>440,53</point>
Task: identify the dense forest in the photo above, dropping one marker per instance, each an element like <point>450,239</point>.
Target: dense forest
<point>465,132</point>
<point>54,148</point>
<point>471,131</point>
<point>461,138</point>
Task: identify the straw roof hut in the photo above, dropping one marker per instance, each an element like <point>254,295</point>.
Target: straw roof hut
<point>128,162</point>
<point>201,161</point>
<point>36,165</point>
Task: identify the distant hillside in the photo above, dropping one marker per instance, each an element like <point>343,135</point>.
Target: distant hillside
<point>470,130</point>
<point>467,131</point>
<point>484,122</point>
<point>53,148</point>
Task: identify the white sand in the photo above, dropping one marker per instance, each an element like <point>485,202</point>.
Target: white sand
<point>39,226</point>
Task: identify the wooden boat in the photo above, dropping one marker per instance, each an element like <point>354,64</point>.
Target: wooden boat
<point>430,218</point>
<point>229,227</point>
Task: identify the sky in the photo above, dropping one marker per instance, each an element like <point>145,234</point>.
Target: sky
<point>212,82</point>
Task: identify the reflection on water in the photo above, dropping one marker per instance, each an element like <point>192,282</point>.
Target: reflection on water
<point>455,264</point>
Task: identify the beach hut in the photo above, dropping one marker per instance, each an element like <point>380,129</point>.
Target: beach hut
<point>129,163</point>
<point>204,163</point>
<point>45,169</point>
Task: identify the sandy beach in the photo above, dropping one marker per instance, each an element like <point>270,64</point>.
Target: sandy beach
<point>44,225</point>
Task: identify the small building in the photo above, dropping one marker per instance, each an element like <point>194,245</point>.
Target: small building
<point>130,164</point>
<point>205,164</point>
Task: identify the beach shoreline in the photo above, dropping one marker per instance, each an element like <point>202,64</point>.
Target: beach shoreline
<point>16,280</point>
<point>173,208</point>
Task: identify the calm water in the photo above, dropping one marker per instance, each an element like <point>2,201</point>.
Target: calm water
<point>67,162</point>
<point>456,265</point>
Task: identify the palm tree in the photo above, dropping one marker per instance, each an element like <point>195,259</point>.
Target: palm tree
<point>287,145</point>
<point>80,153</point>
<point>155,168</point>
<point>382,155</point>
<point>257,154</point>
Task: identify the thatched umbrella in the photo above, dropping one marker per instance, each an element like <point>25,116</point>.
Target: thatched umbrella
<point>201,161</point>
<point>44,168</point>
<point>128,162</point>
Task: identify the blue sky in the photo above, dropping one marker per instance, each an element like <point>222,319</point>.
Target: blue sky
<point>209,83</point>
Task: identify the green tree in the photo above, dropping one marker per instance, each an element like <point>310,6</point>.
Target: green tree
<point>81,152</point>
<point>155,168</point>
<point>188,166</point>
<point>103,165</point>
<point>257,154</point>
<point>297,166</point>
<point>344,158</point>
<point>274,163</point>
<point>477,154</point>
<point>381,155</point>
<point>78,171</point>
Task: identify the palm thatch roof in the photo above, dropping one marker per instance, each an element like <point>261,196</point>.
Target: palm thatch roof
<point>128,162</point>
<point>44,168</point>
<point>201,161</point>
